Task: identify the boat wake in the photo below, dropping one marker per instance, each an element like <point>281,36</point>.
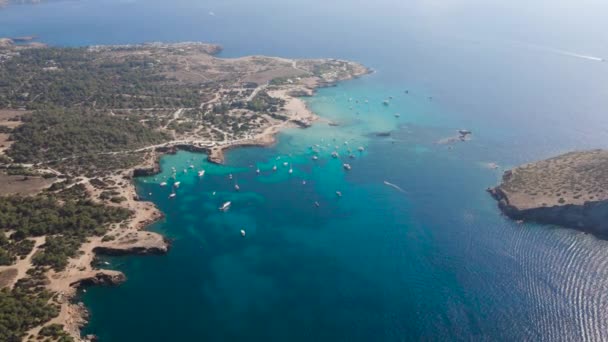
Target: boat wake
<point>564,52</point>
<point>394,186</point>
<point>576,55</point>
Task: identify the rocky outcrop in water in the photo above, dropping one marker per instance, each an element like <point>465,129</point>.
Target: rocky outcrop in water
<point>570,190</point>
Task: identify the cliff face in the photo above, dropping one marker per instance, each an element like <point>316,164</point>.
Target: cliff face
<point>590,216</point>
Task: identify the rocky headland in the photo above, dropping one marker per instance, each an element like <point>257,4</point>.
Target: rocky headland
<point>569,190</point>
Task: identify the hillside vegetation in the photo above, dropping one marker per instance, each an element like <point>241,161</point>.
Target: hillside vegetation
<point>53,134</point>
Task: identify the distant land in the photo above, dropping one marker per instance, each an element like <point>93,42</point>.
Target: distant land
<point>10,2</point>
<point>77,124</point>
<point>569,190</point>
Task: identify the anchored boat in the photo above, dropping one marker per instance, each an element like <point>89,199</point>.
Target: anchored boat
<point>225,206</point>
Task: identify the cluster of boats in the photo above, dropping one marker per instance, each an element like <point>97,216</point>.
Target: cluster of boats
<point>176,183</point>
<point>227,205</point>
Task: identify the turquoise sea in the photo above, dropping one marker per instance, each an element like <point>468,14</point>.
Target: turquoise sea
<point>430,260</point>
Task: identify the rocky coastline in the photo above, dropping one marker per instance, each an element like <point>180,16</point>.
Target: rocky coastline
<point>279,85</point>
<point>567,191</point>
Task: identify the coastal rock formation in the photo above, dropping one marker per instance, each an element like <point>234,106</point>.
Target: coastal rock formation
<point>148,170</point>
<point>101,278</point>
<point>570,190</point>
<point>135,243</point>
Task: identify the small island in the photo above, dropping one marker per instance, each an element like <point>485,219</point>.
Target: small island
<point>569,190</point>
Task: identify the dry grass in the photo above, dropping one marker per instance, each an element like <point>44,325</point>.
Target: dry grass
<point>10,185</point>
<point>572,178</point>
<point>10,118</point>
<point>7,276</point>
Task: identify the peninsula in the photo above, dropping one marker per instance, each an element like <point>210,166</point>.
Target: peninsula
<point>77,124</point>
<point>570,190</point>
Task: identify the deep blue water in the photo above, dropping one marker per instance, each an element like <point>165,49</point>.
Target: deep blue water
<point>434,262</point>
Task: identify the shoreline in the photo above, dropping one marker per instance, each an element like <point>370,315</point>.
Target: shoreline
<point>74,316</point>
<point>81,272</point>
<point>132,237</point>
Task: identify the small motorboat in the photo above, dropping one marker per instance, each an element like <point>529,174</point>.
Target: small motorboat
<point>230,176</point>
<point>274,168</point>
<point>257,171</point>
<point>225,206</point>
<point>243,233</point>
<point>315,158</point>
<point>317,204</point>
<point>176,184</point>
<point>201,173</point>
<point>338,193</point>
<point>285,163</point>
<point>334,154</point>
<point>290,169</point>
<point>361,149</point>
<point>237,187</point>
<point>347,167</point>
<point>163,184</point>
<point>172,195</point>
